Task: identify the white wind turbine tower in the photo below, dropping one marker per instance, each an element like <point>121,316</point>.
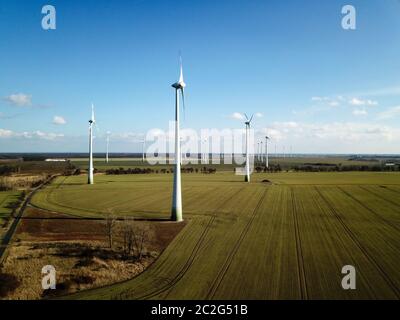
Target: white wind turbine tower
<point>176,211</point>
<point>205,151</point>
<point>247,123</point>
<point>91,124</point>
<point>143,148</point>
<point>107,145</point>
<point>266,152</point>
<point>261,153</point>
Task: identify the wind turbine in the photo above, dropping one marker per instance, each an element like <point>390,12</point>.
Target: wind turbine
<point>91,124</point>
<point>233,146</point>
<point>176,211</point>
<point>247,123</point>
<point>107,145</point>
<point>143,147</point>
<point>266,152</point>
<point>258,151</point>
<point>205,151</point>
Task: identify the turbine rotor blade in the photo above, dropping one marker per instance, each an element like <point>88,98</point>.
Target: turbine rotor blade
<point>181,72</point>
<point>93,113</point>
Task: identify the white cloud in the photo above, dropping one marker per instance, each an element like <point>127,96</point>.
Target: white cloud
<point>46,136</point>
<point>334,132</point>
<point>359,102</point>
<point>4,133</point>
<point>59,120</point>
<point>237,116</point>
<point>242,117</point>
<point>338,100</point>
<point>19,99</point>
<point>132,136</point>
<point>272,133</point>
<point>334,103</point>
<point>360,112</point>
<point>316,98</point>
<point>389,113</point>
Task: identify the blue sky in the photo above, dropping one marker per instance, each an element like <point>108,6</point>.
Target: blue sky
<point>319,88</point>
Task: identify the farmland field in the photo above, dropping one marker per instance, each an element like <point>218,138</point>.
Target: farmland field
<point>7,198</point>
<point>283,236</point>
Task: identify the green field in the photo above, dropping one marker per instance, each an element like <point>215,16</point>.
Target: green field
<point>6,199</point>
<point>288,239</point>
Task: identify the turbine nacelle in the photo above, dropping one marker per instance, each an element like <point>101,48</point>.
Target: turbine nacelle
<point>248,122</point>
<point>180,84</point>
<point>91,121</point>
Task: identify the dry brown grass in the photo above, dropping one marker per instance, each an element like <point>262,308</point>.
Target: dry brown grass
<point>78,249</point>
<point>21,181</point>
<point>78,265</point>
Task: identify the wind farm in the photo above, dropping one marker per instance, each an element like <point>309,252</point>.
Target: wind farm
<point>205,202</point>
<point>288,229</point>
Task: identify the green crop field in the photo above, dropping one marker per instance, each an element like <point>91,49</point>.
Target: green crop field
<point>284,239</point>
<point>6,199</point>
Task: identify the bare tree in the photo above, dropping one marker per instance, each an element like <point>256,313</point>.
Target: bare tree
<point>142,239</point>
<point>134,238</point>
<point>110,224</point>
<point>127,236</point>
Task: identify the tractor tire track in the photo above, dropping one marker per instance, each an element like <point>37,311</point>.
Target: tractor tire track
<point>390,189</point>
<point>380,197</point>
<point>388,222</point>
<point>353,237</point>
<point>88,212</point>
<point>222,272</point>
<point>170,284</point>
<point>299,251</point>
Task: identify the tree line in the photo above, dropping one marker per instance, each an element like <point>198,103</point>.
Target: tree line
<point>345,168</point>
<point>117,171</point>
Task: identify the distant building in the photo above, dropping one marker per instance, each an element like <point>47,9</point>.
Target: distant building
<point>390,164</point>
<point>56,160</point>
